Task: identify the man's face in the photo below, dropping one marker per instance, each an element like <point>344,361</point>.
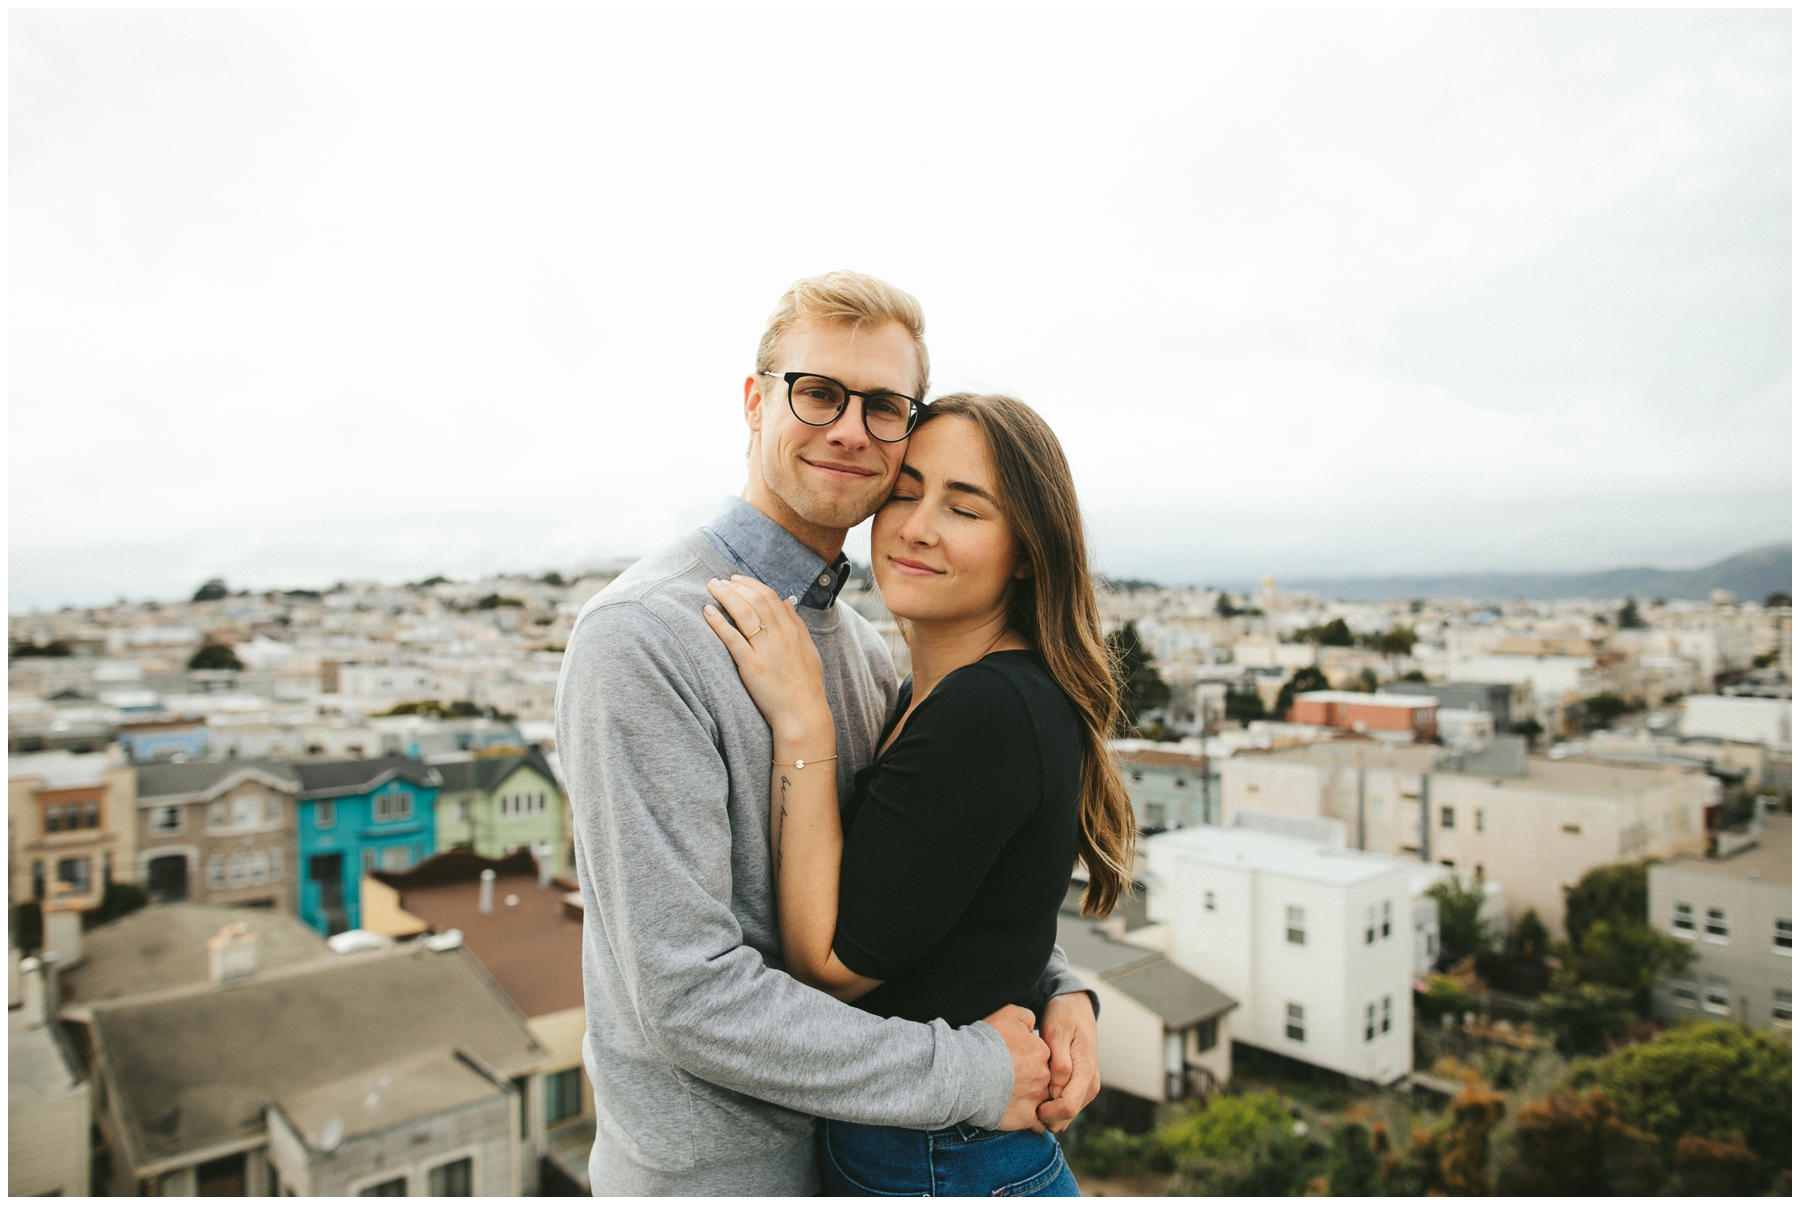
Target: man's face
<point>828,477</point>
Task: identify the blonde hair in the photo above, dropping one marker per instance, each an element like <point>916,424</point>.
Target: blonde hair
<point>851,298</point>
<point>1056,610</point>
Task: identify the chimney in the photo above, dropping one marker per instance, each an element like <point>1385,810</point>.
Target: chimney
<point>231,953</point>
<point>486,906</point>
<point>545,866</point>
<point>62,928</point>
<point>31,1003</point>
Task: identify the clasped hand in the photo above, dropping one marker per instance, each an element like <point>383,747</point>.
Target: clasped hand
<point>776,658</point>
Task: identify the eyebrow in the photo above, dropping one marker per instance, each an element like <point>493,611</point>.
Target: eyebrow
<point>961,487</point>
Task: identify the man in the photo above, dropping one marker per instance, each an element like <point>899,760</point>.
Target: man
<point>709,1064</point>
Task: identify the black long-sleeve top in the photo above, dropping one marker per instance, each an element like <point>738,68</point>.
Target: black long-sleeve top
<point>958,843</point>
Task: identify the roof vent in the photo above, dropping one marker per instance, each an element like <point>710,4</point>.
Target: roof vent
<point>485,902</point>
<point>231,953</point>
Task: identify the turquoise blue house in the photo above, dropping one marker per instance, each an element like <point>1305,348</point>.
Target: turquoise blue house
<point>354,817</point>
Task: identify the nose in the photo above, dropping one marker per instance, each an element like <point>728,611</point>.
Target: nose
<point>850,431</point>
<point>919,528</point>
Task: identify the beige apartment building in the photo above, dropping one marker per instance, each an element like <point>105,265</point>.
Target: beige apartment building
<point>71,826</point>
<point>218,832</point>
<point>1532,824</point>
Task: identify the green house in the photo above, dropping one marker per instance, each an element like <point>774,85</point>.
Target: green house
<point>496,804</point>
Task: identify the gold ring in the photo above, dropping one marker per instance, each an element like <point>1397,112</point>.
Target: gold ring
<point>759,627</point>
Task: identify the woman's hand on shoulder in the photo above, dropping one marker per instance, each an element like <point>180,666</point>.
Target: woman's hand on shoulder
<point>775,656</point>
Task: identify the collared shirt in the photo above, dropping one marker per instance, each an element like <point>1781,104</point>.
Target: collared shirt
<point>765,550</point>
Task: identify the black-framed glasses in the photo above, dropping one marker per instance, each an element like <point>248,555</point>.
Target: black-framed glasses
<point>819,401</point>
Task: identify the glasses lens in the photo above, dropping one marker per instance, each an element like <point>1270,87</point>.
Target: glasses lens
<point>816,400</point>
<point>887,415</point>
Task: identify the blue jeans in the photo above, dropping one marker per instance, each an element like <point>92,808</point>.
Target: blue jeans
<point>961,1161</point>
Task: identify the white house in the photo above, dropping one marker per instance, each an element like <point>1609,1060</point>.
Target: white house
<point>1748,721</point>
<point>1313,939</point>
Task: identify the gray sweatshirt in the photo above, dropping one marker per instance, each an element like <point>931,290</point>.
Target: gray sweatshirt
<point>709,1064</point>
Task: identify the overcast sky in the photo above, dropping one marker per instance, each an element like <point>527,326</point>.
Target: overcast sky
<point>302,297</point>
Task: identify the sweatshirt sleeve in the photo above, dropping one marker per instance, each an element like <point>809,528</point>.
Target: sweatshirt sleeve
<point>649,788</point>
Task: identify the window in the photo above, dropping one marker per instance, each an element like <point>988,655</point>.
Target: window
<point>215,815</point>
<point>462,809</point>
<point>562,1095</point>
<point>368,860</point>
<point>1387,917</point>
<point>1296,925</point>
<point>1206,1035</point>
<point>1571,829</point>
<point>1209,904</point>
<point>1369,1021</point>
<point>1685,992</point>
<point>276,864</point>
<point>387,1188</point>
<point>246,810</point>
<point>325,813</point>
<point>1481,820</point>
<point>239,867</point>
<point>259,867</point>
<point>1369,927</point>
<point>90,814</point>
<point>1387,1013</point>
<point>1446,817</point>
<point>165,821</point>
<point>1715,924</point>
<point>394,858</point>
<point>272,809</point>
<point>78,873</point>
<point>1137,776</point>
<point>1683,924</point>
<point>215,871</point>
<point>1718,995</point>
<point>53,818</point>
<point>1783,1011</point>
<point>1784,935</point>
<point>1154,815</point>
<point>453,1179</point>
<point>393,805</point>
<point>1296,1023</point>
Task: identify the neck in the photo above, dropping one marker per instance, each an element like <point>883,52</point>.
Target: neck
<point>827,542</point>
<point>938,648</point>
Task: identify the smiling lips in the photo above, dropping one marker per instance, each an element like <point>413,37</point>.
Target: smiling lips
<point>843,472</point>
<point>913,568</point>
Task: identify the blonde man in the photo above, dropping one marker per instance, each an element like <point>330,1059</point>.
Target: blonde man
<point>710,1065</point>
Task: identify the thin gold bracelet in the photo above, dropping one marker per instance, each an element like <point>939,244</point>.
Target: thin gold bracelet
<point>800,765</point>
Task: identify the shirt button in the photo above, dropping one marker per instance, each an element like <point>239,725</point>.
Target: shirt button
<point>824,579</point>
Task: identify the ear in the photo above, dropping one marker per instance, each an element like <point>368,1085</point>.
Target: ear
<point>753,402</point>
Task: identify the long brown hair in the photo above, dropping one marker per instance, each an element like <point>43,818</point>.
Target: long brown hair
<point>1054,607</point>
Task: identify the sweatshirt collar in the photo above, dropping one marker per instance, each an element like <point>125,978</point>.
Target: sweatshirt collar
<point>765,550</point>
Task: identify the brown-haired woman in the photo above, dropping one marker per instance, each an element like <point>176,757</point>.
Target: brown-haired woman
<point>935,894</point>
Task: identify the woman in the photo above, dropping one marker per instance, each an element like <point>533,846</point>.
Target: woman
<point>935,893</point>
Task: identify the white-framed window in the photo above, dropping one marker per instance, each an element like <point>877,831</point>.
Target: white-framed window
<point>1369,1021</point>
<point>1571,829</point>
<point>165,822</point>
<point>1717,929</point>
<point>395,804</point>
<point>1446,817</point>
<point>393,1186</point>
<point>1369,925</point>
<point>394,858</point>
<point>1481,820</point>
<point>1209,903</point>
<point>1782,1013</point>
<point>259,867</point>
<point>277,864</point>
<point>246,810</point>
<point>453,1179</point>
<point>1296,1022</point>
<point>463,813</point>
<point>1683,923</point>
<point>215,871</point>
<point>78,873</point>
<point>215,814</point>
<point>1387,918</point>
<point>1296,925</point>
<point>1387,1013</point>
<point>240,867</point>
<point>325,813</point>
<point>368,859</point>
<point>1685,992</point>
<point>1718,995</point>
<point>271,808</point>
<point>1784,935</point>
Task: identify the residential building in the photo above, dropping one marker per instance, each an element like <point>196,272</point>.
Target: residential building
<point>1750,721</point>
<point>391,1072</point>
<point>1738,912</point>
<point>165,738</point>
<point>496,803</point>
<point>523,926</point>
<point>48,1108</point>
<point>1532,823</point>
<point>219,832</point>
<point>1164,1034</point>
<point>72,821</point>
<point>354,817</point>
<point>1507,702</point>
<point>1411,716</point>
<point>1312,939</point>
<point>1168,784</point>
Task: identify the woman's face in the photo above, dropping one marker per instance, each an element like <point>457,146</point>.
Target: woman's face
<point>942,549</point>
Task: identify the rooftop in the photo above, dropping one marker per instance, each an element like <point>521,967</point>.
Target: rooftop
<point>1273,853</point>
<point>1570,776</point>
<point>164,946</point>
<point>1375,700</point>
<point>201,779</point>
<point>376,1098</point>
<point>37,1068</point>
<point>1145,975</point>
<point>323,779</point>
<point>1770,861</point>
<point>487,773</point>
<point>59,768</point>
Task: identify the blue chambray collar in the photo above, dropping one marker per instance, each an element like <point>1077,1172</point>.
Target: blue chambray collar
<point>763,549</point>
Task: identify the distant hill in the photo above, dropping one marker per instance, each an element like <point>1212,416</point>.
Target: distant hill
<point>1752,576</point>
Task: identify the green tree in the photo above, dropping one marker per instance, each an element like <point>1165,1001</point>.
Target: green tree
<point>1442,997</point>
<point>1779,599</point>
<point>1397,641</point>
<point>1307,677</point>
<point>1520,965</point>
<point>1618,892</point>
<point>1141,688</point>
<point>1412,675</point>
<point>1629,957</point>
<point>1223,608</point>
<point>1461,929</point>
<point>1237,1146</point>
<point>1351,1163</point>
<point>1245,706</point>
<point>1707,1079</point>
<point>1629,617</point>
<point>1530,729</point>
<point>1336,634</point>
<point>1366,682</point>
<point>1573,1144</point>
<point>212,591</point>
<point>118,900</point>
<point>1602,709</point>
<point>1225,1125</point>
<point>1584,1018</point>
<point>494,601</point>
<point>214,656</point>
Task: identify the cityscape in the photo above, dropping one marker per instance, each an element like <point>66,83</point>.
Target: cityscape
<point>1429,888</point>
